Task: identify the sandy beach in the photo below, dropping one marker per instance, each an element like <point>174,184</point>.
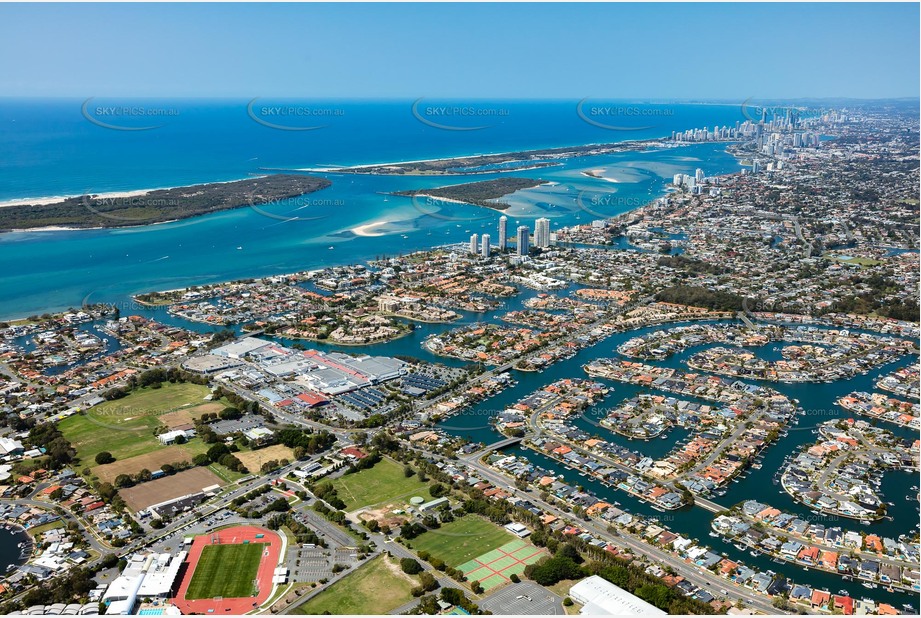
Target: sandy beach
<point>653,140</point>
<point>54,199</point>
<point>368,230</point>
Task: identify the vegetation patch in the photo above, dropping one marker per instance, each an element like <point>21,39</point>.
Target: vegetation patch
<point>375,588</point>
<point>88,211</point>
<point>486,193</point>
<point>254,460</point>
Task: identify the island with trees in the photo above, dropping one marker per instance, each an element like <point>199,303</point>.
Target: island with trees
<point>486,193</point>
<point>158,205</point>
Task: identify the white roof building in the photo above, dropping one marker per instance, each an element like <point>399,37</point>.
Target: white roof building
<point>170,436</point>
<point>145,576</point>
<point>241,347</point>
<point>598,596</point>
<point>8,445</point>
<point>519,530</point>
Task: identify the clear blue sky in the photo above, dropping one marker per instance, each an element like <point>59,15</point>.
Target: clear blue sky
<point>673,51</point>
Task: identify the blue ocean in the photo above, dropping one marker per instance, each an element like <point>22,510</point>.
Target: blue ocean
<point>72,147</point>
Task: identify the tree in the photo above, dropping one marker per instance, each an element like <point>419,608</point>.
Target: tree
<point>410,566</point>
<point>106,491</point>
<point>553,570</point>
<point>569,551</point>
<point>217,451</point>
<point>408,472</point>
<point>123,480</point>
<point>476,587</point>
<point>104,457</point>
<point>657,594</point>
<point>268,466</point>
<point>201,459</point>
<point>567,602</point>
<point>453,596</point>
<point>427,581</point>
<point>229,461</point>
<point>230,414</point>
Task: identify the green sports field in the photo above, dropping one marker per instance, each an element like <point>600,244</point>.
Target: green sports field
<point>462,540</point>
<point>226,571</point>
<point>124,427</point>
<point>385,481</point>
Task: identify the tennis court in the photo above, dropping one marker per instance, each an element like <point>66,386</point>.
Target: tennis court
<point>495,567</point>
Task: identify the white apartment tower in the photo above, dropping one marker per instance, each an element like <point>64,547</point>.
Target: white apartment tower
<point>522,238</point>
<point>542,233</point>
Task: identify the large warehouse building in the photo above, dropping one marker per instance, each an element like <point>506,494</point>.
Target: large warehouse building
<point>146,576</point>
<point>598,596</point>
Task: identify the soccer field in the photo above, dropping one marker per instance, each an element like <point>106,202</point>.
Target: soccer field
<point>124,427</point>
<point>384,481</point>
<point>226,571</point>
<point>462,539</point>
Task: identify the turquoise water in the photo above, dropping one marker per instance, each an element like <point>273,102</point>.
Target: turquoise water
<point>49,148</point>
<point>54,270</point>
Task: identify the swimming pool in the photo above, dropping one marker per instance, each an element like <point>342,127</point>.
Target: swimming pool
<point>151,611</point>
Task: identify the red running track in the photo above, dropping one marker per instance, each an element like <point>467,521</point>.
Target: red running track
<point>228,606</point>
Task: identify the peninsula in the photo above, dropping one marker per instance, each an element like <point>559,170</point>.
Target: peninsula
<point>499,162</point>
<point>158,205</point>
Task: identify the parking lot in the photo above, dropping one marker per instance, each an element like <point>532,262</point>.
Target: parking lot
<point>522,599</point>
<point>333,534</point>
<point>309,564</point>
<point>312,564</point>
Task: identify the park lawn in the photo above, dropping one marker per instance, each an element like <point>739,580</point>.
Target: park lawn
<point>124,427</point>
<point>376,587</point>
<point>385,481</point>
<point>226,571</point>
<point>35,531</point>
<point>860,261</point>
<point>462,540</point>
